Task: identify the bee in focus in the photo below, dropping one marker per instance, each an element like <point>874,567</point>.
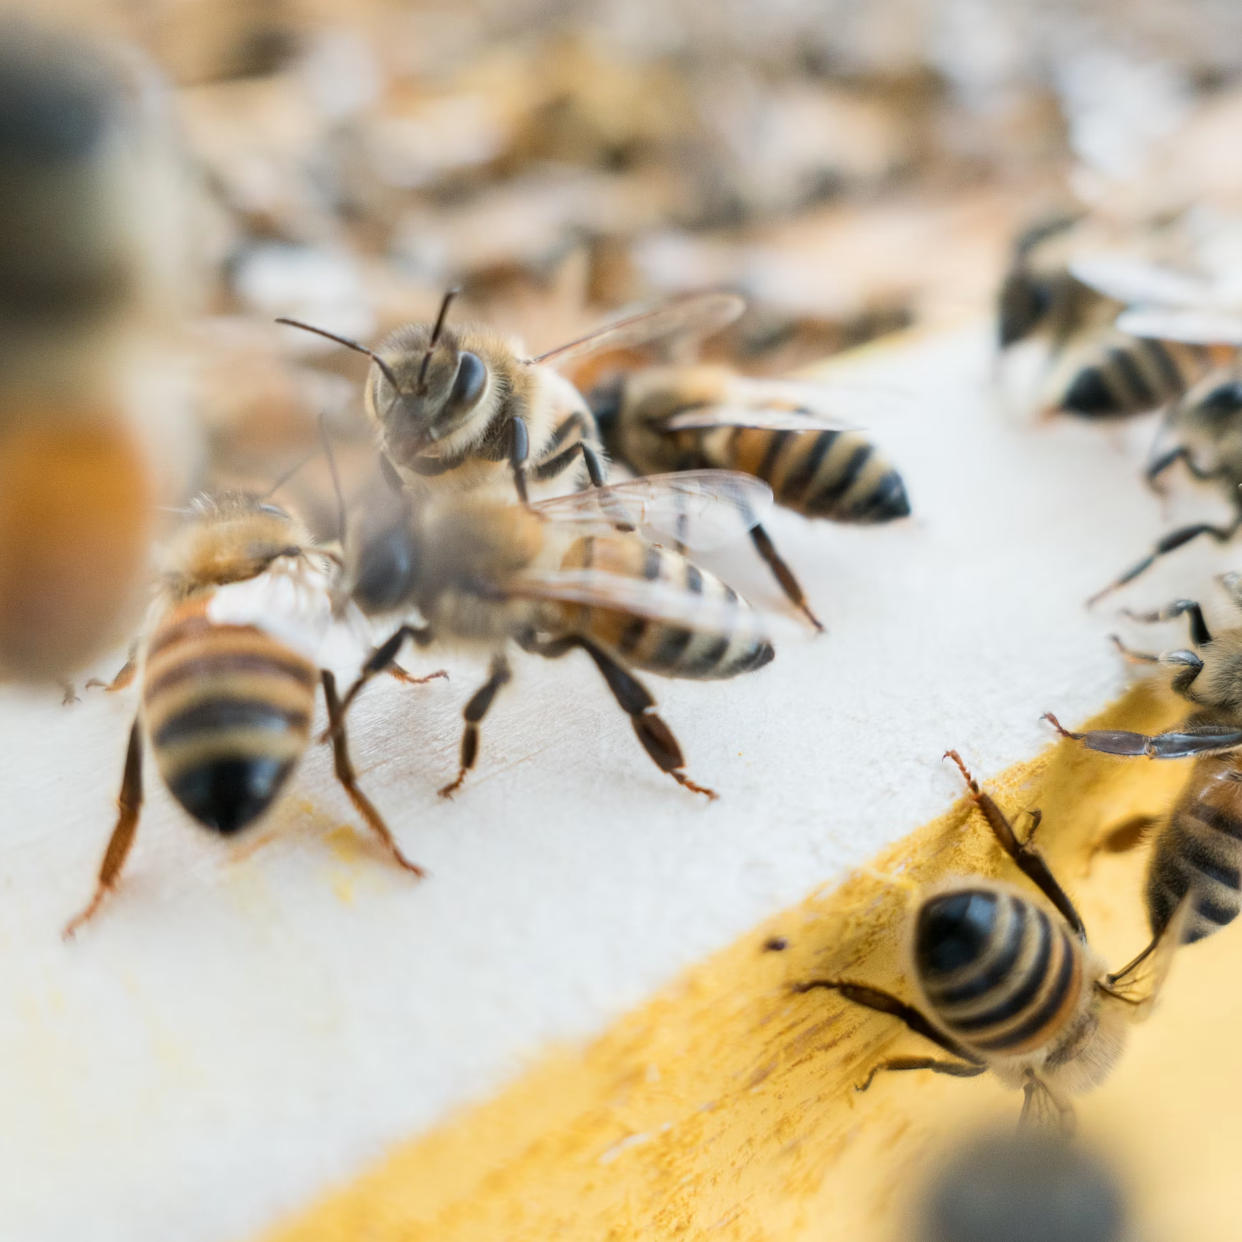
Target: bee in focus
<point>86,234</point>
<point>570,573</point>
<point>1198,847</point>
<point>1096,368</point>
<point>228,674</point>
<point>1003,985</point>
<point>456,406</point>
<point>664,419</point>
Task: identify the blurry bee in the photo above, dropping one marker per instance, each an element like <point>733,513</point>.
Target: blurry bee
<point>459,405</point>
<point>1005,987</point>
<point>1198,847</point>
<point>696,417</point>
<point>1098,370</point>
<point>84,239</point>
<point>1033,1185</point>
<point>228,672</point>
<point>558,575</point>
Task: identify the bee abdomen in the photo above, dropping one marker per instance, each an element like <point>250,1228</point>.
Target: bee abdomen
<point>1133,374</point>
<point>1201,847</point>
<point>1002,977</point>
<point>228,710</point>
<point>714,653</point>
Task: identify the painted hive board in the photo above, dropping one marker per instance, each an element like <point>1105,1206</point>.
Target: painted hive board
<point>246,1027</point>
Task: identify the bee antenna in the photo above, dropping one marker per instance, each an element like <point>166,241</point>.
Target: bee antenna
<point>336,478</point>
<point>385,369</point>
<point>390,476</point>
<point>288,474</point>
<point>435,333</point>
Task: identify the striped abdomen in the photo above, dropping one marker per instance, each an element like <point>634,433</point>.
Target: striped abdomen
<point>228,711</point>
<point>838,475</point>
<point>658,646</point>
<point>1124,375</point>
<point>1001,975</point>
<point>1200,846</point>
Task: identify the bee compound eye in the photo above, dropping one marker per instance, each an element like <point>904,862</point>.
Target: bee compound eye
<point>1223,401</point>
<point>386,570</point>
<point>469,383</point>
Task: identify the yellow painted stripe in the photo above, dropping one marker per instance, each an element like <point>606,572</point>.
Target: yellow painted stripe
<point>724,1108</point>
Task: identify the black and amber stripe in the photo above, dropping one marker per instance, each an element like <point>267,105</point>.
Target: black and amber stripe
<point>657,646</point>
<point>1201,848</point>
<point>1002,976</point>
<point>228,711</point>
<point>1119,375</point>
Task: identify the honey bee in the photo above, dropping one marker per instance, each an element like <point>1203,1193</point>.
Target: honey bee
<point>86,234</point>
<point>1198,846</point>
<point>698,417</point>
<point>228,673</point>
<point>558,576</point>
<point>1005,987</point>
<point>460,405</point>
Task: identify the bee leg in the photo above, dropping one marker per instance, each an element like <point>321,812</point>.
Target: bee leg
<point>1028,859</point>
<point>124,677</point>
<point>349,780</point>
<point>1205,740</point>
<point>885,1002</point>
<point>474,712</point>
<point>406,678</point>
<point>1169,543</point>
<point>1130,655</point>
<point>377,662</point>
<point>783,574</point>
<point>1162,463</point>
<point>1200,635</point>
<point>70,694</point>
<point>956,1069</point>
<point>519,451</point>
<point>130,804</point>
<point>594,467</point>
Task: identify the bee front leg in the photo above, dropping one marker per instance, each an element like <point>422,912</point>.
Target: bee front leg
<point>478,707</point>
<point>130,804</point>
<point>519,451</point>
<point>378,662</point>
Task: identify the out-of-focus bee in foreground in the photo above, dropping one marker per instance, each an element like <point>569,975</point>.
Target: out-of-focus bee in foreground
<point>460,405</point>
<point>1097,368</point>
<point>1198,848</point>
<point>663,419</point>
<point>1006,987</point>
<point>228,667</point>
<point>88,235</point>
<point>572,572</point>
<point>1034,1186</point>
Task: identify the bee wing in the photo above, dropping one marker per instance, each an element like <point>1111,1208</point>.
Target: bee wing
<point>1139,982</point>
<point>1041,1109</point>
<point>764,419</point>
<point>292,601</point>
<point>1194,327</point>
<point>658,601</point>
<point>1127,278</point>
<point>700,315</point>
<point>701,509</point>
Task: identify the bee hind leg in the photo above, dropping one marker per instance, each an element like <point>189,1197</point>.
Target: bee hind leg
<point>130,804</point>
<point>478,707</point>
<point>783,574</point>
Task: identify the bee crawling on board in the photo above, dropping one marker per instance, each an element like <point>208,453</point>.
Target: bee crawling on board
<point>571,573</point>
<point>1197,847</point>
<point>1006,986</point>
<point>458,406</point>
<point>664,419</point>
<point>228,673</point>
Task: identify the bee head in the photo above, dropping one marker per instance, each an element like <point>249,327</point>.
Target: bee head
<point>1024,301</point>
<point>383,553</point>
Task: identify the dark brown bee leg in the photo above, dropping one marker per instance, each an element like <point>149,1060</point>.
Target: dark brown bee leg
<point>783,574</point>
<point>130,804</point>
<point>1200,635</point>
<point>1029,860</point>
<point>124,677</point>
<point>594,467</point>
<point>1162,463</point>
<point>519,451</point>
<point>956,1069</point>
<point>1205,740</point>
<point>1169,543</point>
<point>349,780</point>
<point>378,662</point>
<point>475,710</point>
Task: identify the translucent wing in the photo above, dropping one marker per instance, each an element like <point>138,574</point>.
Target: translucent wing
<point>1194,327</point>
<point>763,418</point>
<point>1127,278</point>
<point>658,601</point>
<point>1041,1109</point>
<point>292,601</point>
<point>699,508</point>
<point>1139,982</point>
<point>700,316</point>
